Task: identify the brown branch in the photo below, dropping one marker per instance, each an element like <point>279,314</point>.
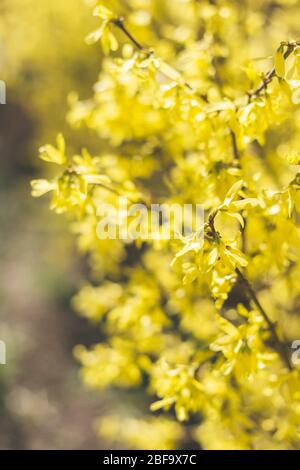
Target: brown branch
<point>235,149</point>
<point>119,23</point>
<point>272,73</point>
<point>119,193</point>
<point>280,347</point>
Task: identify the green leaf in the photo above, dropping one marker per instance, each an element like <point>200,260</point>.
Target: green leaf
<point>212,257</point>
<point>49,153</point>
<point>97,179</point>
<point>104,13</point>
<point>279,62</point>
<point>108,42</point>
<point>246,203</point>
<point>95,36</point>
<point>237,256</point>
<point>233,191</point>
<point>61,145</point>
<point>41,187</point>
<point>238,217</point>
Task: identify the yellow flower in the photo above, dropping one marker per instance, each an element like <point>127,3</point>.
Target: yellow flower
<point>52,154</point>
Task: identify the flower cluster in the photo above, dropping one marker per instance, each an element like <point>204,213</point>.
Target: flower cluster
<point>202,324</point>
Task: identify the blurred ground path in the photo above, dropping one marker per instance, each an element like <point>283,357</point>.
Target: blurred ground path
<point>42,402</point>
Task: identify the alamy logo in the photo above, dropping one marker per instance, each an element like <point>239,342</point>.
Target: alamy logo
<point>2,353</point>
<point>296,96</point>
<point>154,222</point>
<point>296,354</point>
<point>2,92</point>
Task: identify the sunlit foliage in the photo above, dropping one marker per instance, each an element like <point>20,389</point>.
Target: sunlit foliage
<point>196,102</point>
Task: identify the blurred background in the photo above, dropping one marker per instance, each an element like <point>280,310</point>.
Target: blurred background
<point>43,57</point>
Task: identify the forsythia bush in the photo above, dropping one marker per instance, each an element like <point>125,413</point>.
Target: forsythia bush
<point>190,107</point>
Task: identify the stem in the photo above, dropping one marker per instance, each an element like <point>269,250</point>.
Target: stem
<point>272,73</point>
<point>211,221</point>
<point>279,345</point>
<point>119,23</point>
<point>119,193</point>
<point>234,145</point>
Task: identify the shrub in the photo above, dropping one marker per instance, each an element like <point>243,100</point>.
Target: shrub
<point>202,323</point>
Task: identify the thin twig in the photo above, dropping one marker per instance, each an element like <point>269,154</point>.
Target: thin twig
<point>279,345</point>
<point>119,23</point>
<point>272,73</point>
<point>234,145</point>
<point>119,193</point>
